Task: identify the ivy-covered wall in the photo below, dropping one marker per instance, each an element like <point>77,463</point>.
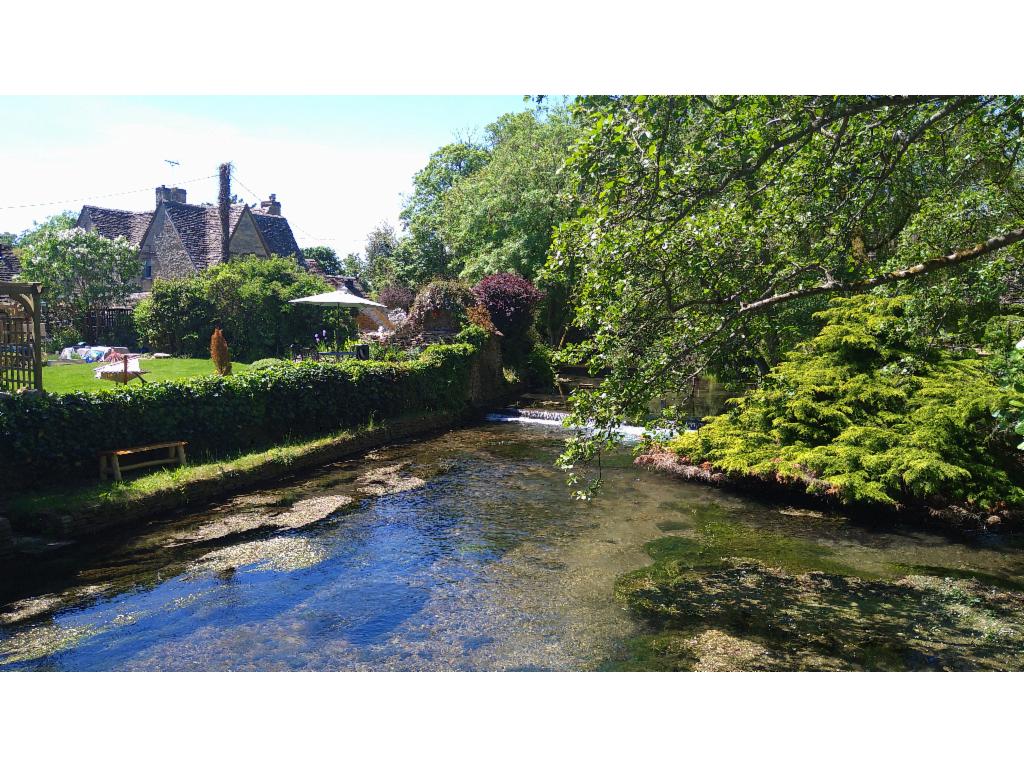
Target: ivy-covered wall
<point>49,440</point>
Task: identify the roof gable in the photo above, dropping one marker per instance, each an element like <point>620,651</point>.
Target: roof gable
<point>112,222</point>
<point>245,215</point>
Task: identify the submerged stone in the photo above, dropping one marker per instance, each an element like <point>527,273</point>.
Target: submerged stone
<point>283,553</point>
<point>387,480</point>
<point>37,606</point>
<point>41,641</point>
<point>309,511</point>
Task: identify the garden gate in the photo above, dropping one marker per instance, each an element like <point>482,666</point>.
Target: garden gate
<point>21,358</point>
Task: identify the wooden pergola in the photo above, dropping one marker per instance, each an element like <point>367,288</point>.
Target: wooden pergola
<point>21,355</point>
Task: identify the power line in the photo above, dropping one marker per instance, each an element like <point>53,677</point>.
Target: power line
<point>243,185</point>
<point>95,197</point>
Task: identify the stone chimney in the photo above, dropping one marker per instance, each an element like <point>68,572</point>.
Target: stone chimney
<point>169,195</point>
<point>224,208</point>
<point>271,206</point>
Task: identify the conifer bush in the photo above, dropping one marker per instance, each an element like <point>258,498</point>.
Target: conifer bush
<point>865,412</point>
<point>219,353</point>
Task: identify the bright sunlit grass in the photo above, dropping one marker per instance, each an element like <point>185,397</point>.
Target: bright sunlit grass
<point>79,377</point>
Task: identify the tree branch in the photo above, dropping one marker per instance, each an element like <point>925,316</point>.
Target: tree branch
<point>991,245</point>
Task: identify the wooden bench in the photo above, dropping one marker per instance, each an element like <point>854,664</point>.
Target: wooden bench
<point>110,461</point>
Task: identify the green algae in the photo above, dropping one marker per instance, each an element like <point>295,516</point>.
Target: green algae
<point>668,526</point>
<point>44,640</point>
<point>732,597</point>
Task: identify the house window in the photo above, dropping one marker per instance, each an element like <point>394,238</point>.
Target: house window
<point>147,267</point>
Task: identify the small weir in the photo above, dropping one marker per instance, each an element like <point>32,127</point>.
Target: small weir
<point>628,432</point>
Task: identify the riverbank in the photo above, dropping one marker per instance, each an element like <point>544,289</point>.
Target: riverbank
<point>86,511</point>
<point>951,517</point>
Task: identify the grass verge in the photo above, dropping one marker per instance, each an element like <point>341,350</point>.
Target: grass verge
<point>92,508</point>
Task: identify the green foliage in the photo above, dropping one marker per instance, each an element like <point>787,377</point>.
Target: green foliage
<point>50,439</point>
<point>381,260</point>
<point>501,217</point>
<point>511,302</point>
<point>40,231</point>
<point>539,368</point>
<point>1004,336</point>
<point>353,264</point>
<point>693,208</point>
<point>325,257</point>
<point>177,317</point>
<point>61,338</point>
<point>867,413</point>
<point>268,362</point>
<point>81,271</point>
<point>249,299</point>
<point>422,254</point>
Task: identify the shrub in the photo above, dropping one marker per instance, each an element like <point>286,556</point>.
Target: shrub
<point>396,297</point>
<point>49,438</point>
<point>441,306</point>
<point>866,413</point>
<point>510,300</point>
<point>248,298</point>
<point>478,315</point>
<point>219,353</point>
<point>267,362</point>
<point>177,318</point>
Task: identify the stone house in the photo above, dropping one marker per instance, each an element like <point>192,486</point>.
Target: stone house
<point>177,239</point>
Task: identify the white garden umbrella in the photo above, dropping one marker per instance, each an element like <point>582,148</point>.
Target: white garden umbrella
<point>337,298</point>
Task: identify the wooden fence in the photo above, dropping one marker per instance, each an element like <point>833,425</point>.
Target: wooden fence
<point>115,325</point>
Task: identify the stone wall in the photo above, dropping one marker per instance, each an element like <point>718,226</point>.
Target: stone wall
<point>170,259</point>
<point>246,238</point>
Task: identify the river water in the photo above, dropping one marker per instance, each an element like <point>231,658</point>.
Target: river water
<point>459,552</point>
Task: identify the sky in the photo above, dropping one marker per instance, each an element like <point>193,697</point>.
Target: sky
<point>338,165</point>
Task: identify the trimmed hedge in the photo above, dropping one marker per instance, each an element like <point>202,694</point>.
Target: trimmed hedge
<point>50,439</point>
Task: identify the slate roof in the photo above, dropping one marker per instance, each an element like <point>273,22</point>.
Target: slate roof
<point>277,233</point>
<point>197,225</point>
<point>199,229</point>
<point>111,223</point>
<point>9,264</point>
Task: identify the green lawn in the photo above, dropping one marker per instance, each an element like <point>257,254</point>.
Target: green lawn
<point>79,377</point>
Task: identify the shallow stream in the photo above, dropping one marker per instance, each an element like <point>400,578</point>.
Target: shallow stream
<point>465,552</point>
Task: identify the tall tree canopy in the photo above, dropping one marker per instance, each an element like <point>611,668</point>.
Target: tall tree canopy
<point>325,257</point>
<point>490,205</point>
<point>381,264</point>
<point>422,253</point>
<point>501,217</point>
<point>712,228</point>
